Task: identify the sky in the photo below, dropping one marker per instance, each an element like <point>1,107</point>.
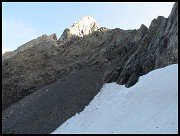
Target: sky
<point>24,21</point>
<point>148,107</point>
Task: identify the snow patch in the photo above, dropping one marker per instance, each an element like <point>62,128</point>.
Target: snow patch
<point>150,106</point>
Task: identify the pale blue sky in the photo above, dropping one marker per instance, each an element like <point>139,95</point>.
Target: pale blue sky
<point>24,21</point>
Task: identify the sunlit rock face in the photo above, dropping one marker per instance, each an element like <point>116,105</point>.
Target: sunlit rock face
<point>121,55</point>
<point>75,67</point>
<point>80,28</point>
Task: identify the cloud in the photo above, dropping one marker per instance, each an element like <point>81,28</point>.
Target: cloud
<point>16,33</point>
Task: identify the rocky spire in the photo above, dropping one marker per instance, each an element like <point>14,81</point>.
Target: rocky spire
<point>105,56</point>
<point>80,28</point>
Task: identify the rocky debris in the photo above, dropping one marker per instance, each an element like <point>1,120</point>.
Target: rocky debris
<point>125,54</point>
<point>72,71</point>
<point>43,111</point>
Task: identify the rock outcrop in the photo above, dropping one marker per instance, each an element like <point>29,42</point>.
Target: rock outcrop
<point>84,26</point>
<point>121,55</point>
<point>157,47</point>
<point>129,54</point>
<point>42,40</point>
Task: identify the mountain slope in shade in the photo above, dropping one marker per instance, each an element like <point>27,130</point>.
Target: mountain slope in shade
<point>123,55</point>
<point>150,106</point>
<point>48,80</point>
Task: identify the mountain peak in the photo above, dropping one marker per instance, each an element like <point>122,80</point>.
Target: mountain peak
<point>80,28</point>
<point>84,26</point>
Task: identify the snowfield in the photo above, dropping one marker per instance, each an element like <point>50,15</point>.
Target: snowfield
<point>150,106</point>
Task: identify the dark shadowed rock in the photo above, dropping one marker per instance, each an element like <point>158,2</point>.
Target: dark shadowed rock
<point>78,63</point>
<point>158,47</point>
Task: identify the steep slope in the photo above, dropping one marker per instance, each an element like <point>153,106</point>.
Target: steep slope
<point>128,54</point>
<point>42,111</point>
<point>116,55</point>
<point>157,48</point>
<point>149,107</point>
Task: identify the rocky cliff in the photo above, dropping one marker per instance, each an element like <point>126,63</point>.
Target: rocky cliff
<point>123,55</point>
<point>80,28</point>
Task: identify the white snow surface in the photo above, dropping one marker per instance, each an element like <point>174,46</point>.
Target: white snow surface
<point>150,106</point>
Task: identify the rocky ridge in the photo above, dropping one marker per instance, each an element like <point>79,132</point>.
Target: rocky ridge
<point>129,53</point>
<point>121,55</point>
<point>80,28</point>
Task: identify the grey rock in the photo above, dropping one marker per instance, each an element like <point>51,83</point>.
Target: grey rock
<point>156,49</point>
<point>82,27</point>
<point>122,56</point>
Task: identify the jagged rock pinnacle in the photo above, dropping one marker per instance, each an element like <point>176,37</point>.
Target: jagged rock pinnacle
<point>80,28</point>
<point>75,71</point>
